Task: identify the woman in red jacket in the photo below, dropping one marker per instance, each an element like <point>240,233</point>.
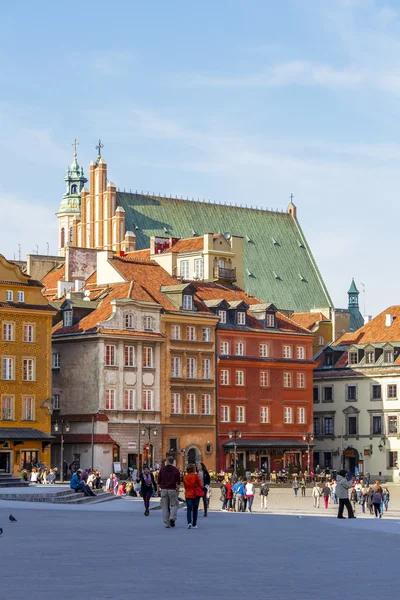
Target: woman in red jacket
<point>229,495</point>
<point>193,485</point>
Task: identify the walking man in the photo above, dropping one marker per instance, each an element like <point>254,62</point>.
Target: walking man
<point>169,480</point>
<point>316,494</point>
<point>264,491</point>
<point>342,492</point>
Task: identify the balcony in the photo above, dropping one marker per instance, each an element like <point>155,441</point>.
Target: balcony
<point>222,274</point>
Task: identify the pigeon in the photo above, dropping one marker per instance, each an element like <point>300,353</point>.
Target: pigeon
<point>1,531</point>
<point>12,519</point>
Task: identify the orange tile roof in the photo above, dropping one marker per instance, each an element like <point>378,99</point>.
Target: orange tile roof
<point>308,320</point>
<point>138,254</point>
<point>187,245</point>
<point>375,331</point>
<point>125,332</point>
<point>50,281</point>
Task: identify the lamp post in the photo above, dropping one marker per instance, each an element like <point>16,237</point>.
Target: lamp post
<point>148,428</point>
<point>183,452</point>
<point>235,434</point>
<point>308,437</point>
<point>62,426</point>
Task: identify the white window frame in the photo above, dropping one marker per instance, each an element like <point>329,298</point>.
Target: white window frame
<point>191,404</point>
<point>300,352</point>
<point>191,368</point>
<point>147,400</point>
<point>129,321</point>
<point>321,340</point>
<point>8,332</point>
<point>240,414</point>
<point>241,317</point>
<point>9,296</point>
<point>225,414</point>
<point>239,349</point>
<point>176,366</point>
<point>270,320</point>
<point>350,354</point>
<point>264,379</point>
<point>301,415</point>
<point>28,408</point>
<point>239,378</point>
<point>287,351</point>
<point>148,321</point>
<point>67,318</point>
<point>148,357</point>
<point>206,334</point>
<point>184,269</point>
<point>222,316</point>
<point>225,348</point>
<point>264,350</point>
<point>55,360</point>
<point>389,395</point>
<point>129,399</point>
<point>198,268</point>
<point>287,379</point>
<point>187,302</point>
<point>176,332</point>
<point>224,377</point>
<point>7,407</point>
<point>191,333</point>
<point>206,368</point>
<point>301,381</point>
<point>56,400</point>
<point>109,397</point>
<point>8,368</point>
<point>288,415</point>
<point>21,296</point>
<point>29,333</point>
<point>176,403</point>
<point>129,356</point>
<point>110,355</point>
<point>206,404</point>
<point>28,369</point>
<point>264,414</point>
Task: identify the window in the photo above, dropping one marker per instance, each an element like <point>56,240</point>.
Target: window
<point>176,407</point>
<point>148,322</point>
<point>264,378</point>
<point>191,404</point>
<point>287,351</point>
<point>328,359</point>
<point>264,414</point>
<point>129,400</point>
<point>351,392</point>
<point>55,360</point>
<point>73,190</point>
<point>191,368</point>
<point>147,357</point>
<point>353,358</point>
<point>300,352</point>
<point>21,296</point>
<point>222,316</point>
<point>225,414</point>
<point>392,424</point>
<point>110,399</point>
<point>270,320</point>
<point>9,295</point>
<point>301,380</point>
<point>7,408</point>
<point>376,425</point>
<point>29,333</point>
<point>206,334</point>
<point>370,357</point>
<point>28,369</point>
<point>321,340</point>
<point>187,302</point>
<point>129,321</point>
<point>287,380</point>
<point>7,368</point>
<point>392,459</point>
<point>206,404</point>
<point>111,356</point>
<point>239,348</point>
<point>67,318</point>
<point>301,415</point>
<point>198,268</point>
<point>224,377</point>
<point>264,350</point>
<point>8,332</point>
<point>173,444</point>
<point>206,368</point>
<point>316,395</point>
<point>328,425</point>
<point>147,400</point>
<point>191,333</point>
<point>176,366</point>
<point>241,318</point>
<point>240,414</point>
<point>239,377</point>
<point>225,348</point>
<point>316,426</point>
<point>176,332</point>
<point>352,425</point>
<point>129,356</point>
<point>376,392</point>
<point>185,269</point>
<point>388,356</point>
<point>327,393</point>
<point>56,402</point>
<point>327,460</point>
<point>288,415</point>
<point>392,391</point>
<point>28,408</point>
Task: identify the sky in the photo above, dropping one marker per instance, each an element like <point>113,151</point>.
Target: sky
<point>243,101</point>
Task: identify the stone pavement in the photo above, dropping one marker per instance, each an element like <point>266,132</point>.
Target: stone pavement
<point>112,551</point>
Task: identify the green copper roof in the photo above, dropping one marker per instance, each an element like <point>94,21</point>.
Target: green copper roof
<point>353,289</point>
<point>278,264</point>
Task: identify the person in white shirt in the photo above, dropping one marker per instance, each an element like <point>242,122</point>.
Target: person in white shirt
<point>250,494</point>
<point>358,488</point>
<point>316,494</point>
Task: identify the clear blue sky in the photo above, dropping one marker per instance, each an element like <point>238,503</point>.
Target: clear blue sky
<point>234,100</point>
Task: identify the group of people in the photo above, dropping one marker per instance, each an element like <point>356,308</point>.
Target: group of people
<point>43,475</point>
<point>239,496</point>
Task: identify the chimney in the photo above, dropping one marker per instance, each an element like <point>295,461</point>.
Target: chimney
<point>368,318</point>
<point>389,320</point>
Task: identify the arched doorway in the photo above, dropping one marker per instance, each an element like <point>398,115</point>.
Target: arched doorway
<point>350,459</point>
<point>192,458</point>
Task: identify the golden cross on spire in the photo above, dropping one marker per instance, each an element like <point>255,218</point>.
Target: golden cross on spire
<point>99,147</point>
<point>75,144</point>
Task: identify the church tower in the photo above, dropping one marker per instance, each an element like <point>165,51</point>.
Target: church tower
<point>356,318</point>
<point>69,213</point>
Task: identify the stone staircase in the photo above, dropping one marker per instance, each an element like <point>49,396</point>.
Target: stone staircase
<point>10,481</point>
<point>63,497</point>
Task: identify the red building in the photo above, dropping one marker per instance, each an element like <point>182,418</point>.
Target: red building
<point>265,382</point>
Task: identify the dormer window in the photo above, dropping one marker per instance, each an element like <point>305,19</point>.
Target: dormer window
<point>388,356</point>
<point>241,318</point>
<point>67,318</point>
<point>370,357</point>
<point>148,323</point>
<point>129,321</point>
<point>187,302</point>
<point>270,320</point>
<point>353,358</point>
<point>222,316</point>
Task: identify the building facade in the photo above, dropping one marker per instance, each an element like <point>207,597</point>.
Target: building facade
<point>25,382</point>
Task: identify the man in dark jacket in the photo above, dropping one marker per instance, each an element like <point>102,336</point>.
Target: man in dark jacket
<point>169,480</point>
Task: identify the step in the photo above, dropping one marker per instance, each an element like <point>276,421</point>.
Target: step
<point>18,483</point>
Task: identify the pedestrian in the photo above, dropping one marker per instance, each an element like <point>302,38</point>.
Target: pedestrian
<point>358,488</point>
<point>169,480</point>
<point>370,493</point>
<point>239,494</point>
<point>193,489</point>
<point>316,494</point>
<point>229,495</point>
<point>353,498</point>
<point>367,479</point>
<point>205,480</point>
<point>364,494</point>
<point>333,489</point>
<point>342,491</point>
<point>65,469</point>
<point>264,491</point>
<point>386,498</point>
<point>111,482</point>
<point>52,476</point>
<point>34,475</point>
<point>80,486</point>
<point>377,499</point>
<point>295,486</point>
<point>250,490</point>
<point>223,497</point>
<point>326,492</point>
<point>302,485</point>
<point>147,487</point>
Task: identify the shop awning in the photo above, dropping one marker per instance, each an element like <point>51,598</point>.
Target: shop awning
<point>23,433</point>
<point>267,444</point>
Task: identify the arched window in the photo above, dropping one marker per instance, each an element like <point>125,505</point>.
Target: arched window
<point>62,238</point>
<point>71,235</point>
<point>129,321</point>
<point>73,189</point>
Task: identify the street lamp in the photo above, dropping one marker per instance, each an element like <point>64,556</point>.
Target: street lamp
<point>308,437</point>
<point>63,426</point>
<point>148,428</point>
<point>235,434</point>
<point>183,452</point>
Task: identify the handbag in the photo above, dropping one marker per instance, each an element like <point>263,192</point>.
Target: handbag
<point>198,491</point>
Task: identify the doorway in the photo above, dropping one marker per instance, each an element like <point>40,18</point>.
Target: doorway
<point>191,456</point>
<point>5,462</point>
<point>264,463</point>
<point>29,459</point>
<point>132,461</point>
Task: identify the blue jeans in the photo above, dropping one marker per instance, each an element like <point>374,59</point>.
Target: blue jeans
<point>295,491</point>
<point>192,505</point>
<point>250,500</point>
<point>335,498</point>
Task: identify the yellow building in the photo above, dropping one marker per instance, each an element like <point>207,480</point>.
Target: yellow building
<point>25,376</point>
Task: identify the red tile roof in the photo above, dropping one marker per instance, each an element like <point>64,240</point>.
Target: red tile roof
<point>375,331</point>
<point>308,320</point>
<point>187,245</point>
<point>50,281</point>
<point>138,254</point>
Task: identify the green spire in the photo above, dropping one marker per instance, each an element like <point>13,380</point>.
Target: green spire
<point>74,180</point>
<point>353,288</point>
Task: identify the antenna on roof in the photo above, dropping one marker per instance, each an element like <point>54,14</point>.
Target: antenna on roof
<point>48,248</point>
<point>19,251</point>
<point>363,289</point>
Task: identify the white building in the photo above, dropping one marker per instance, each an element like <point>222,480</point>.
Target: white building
<point>357,399</point>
